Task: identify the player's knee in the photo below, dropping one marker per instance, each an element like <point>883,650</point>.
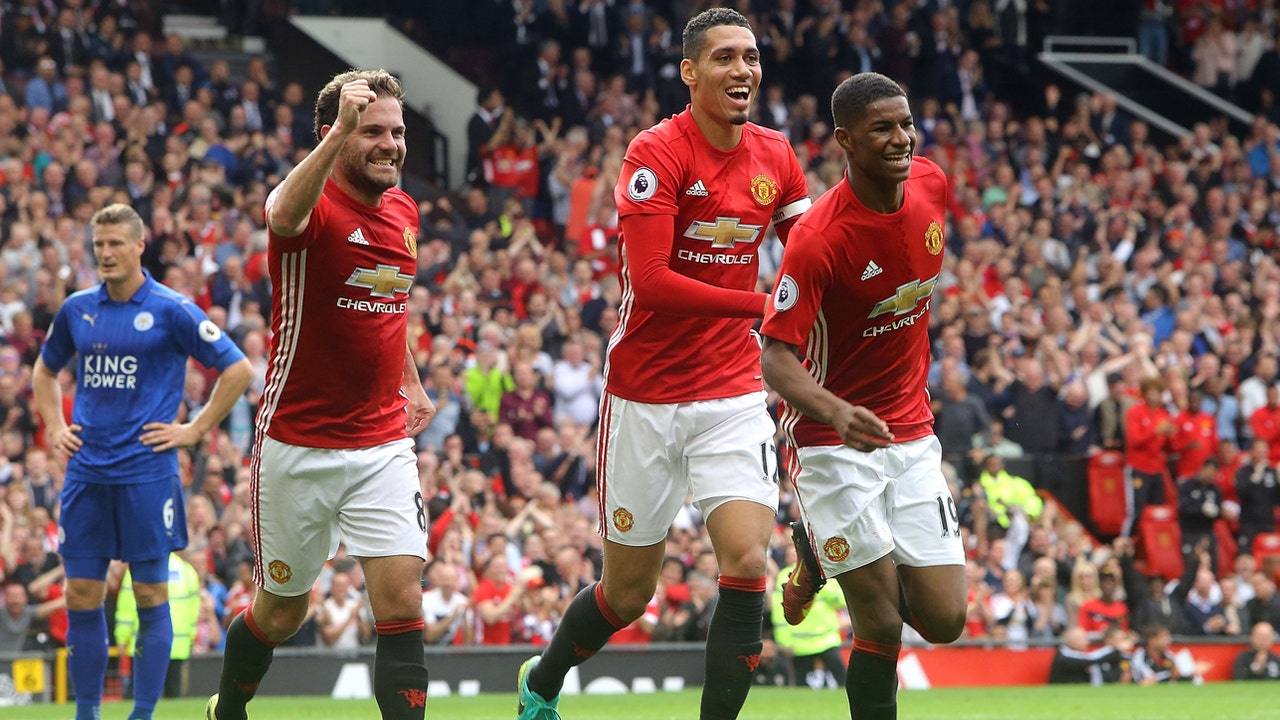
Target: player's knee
<point>279,622</point>
<point>940,627</point>
<point>881,627</point>
<point>629,601</point>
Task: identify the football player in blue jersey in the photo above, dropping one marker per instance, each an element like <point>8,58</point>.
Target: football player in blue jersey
<point>131,338</point>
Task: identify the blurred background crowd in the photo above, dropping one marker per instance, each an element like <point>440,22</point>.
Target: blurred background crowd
<point>1107,291</point>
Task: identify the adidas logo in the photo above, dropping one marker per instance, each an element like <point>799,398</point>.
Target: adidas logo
<point>698,190</point>
<point>357,237</point>
<point>872,270</point>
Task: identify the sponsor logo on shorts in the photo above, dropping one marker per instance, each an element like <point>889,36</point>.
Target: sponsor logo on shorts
<point>836,549</point>
<point>280,571</point>
<point>623,520</point>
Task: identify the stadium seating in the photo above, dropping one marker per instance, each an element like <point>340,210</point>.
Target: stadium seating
<point>1161,540</point>
<point>1106,492</point>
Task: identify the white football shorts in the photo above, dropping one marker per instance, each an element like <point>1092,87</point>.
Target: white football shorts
<point>861,506</point>
<point>305,500</point>
<point>651,457</point>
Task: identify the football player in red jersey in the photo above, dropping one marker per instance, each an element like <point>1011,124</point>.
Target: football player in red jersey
<point>684,408</point>
<point>853,299</point>
<point>335,459</point>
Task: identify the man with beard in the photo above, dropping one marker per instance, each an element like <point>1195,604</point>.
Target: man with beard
<point>342,400</point>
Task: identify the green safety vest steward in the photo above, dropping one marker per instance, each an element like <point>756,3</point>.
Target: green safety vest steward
<point>820,630</point>
<point>184,608</point>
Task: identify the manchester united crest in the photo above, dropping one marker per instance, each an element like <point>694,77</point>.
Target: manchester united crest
<point>411,241</point>
<point>836,549</point>
<point>764,189</point>
<point>280,571</point>
<point>933,238</point>
<point>623,519</point>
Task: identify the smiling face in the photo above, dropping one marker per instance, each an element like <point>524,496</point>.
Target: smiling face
<point>725,75</point>
<point>880,143</point>
<point>373,155</point>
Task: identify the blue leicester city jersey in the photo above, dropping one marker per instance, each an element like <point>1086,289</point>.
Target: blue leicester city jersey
<point>130,368</point>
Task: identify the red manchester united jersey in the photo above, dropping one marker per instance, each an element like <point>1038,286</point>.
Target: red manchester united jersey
<point>854,293</point>
<point>339,317</point>
<point>722,203</point>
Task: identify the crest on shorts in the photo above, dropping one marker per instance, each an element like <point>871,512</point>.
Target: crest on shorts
<point>623,519</point>
<point>836,549</point>
<point>764,189</point>
<point>280,571</point>
<point>411,241</point>
<point>933,238</point>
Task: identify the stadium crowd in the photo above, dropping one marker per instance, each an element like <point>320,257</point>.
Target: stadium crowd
<point>1092,269</point>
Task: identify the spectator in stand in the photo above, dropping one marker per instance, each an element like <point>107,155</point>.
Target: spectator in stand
<point>18,616</point>
<point>1200,505</point>
<point>445,608</point>
<point>1265,605</point>
<point>1258,492</point>
<point>497,601</point>
<point>1196,439</point>
<point>1252,392</point>
<point>526,407</point>
<point>1147,433</point>
<point>487,380</point>
<point>1265,423</point>
<point>958,417</point>
<point>342,621</point>
<point>1259,661</point>
<point>1104,611</point>
<point>577,384</point>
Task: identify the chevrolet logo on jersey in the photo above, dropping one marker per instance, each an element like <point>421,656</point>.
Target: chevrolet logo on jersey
<point>725,232</point>
<point>906,298</point>
<point>384,282</point>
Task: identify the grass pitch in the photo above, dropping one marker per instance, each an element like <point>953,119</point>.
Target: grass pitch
<point>1229,701</point>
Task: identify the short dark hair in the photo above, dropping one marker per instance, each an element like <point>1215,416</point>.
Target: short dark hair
<point>695,33</point>
<point>381,82</point>
<point>850,100</point>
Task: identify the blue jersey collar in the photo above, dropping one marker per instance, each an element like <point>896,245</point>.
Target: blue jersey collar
<point>148,284</point>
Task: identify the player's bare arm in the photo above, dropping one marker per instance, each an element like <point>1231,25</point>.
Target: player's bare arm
<point>298,194</point>
<point>420,408</point>
<point>860,428</point>
<point>231,385</point>
<point>60,436</point>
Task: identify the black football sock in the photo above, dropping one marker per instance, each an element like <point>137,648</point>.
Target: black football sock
<point>587,625</point>
<point>244,662</point>
<point>733,647</point>
<point>872,680</point>
<point>400,670</point>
